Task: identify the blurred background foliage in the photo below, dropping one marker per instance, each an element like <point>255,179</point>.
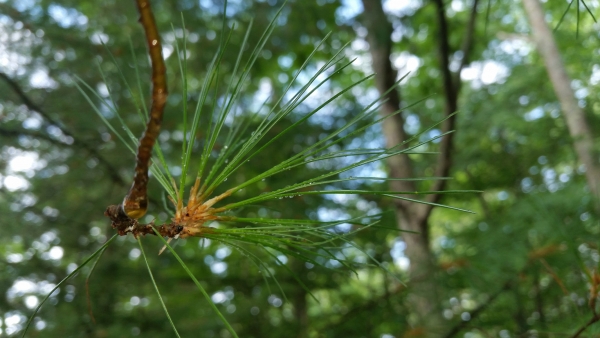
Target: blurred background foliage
<point>518,267</point>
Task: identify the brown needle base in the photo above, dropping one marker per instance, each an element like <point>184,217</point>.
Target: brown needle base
<point>124,224</point>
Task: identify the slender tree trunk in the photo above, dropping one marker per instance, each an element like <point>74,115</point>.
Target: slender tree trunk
<point>423,295</point>
<point>583,140</point>
<point>423,300</point>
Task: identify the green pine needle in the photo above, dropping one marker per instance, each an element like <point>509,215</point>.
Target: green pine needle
<point>263,239</point>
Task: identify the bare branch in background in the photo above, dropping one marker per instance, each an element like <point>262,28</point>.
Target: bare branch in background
<point>451,89</point>
<point>479,310</point>
<point>467,46</point>
<point>112,171</point>
<point>11,133</point>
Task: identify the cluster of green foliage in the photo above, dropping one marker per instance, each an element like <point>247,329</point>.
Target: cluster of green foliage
<point>519,266</point>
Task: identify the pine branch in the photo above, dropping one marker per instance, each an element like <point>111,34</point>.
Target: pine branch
<point>136,201</point>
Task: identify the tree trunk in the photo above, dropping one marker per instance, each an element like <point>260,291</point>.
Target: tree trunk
<point>583,140</point>
<point>423,301</point>
<point>423,296</point>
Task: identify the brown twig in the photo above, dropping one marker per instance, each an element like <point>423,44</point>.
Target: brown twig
<point>175,229</point>
<point>112,171</point>
<point>554,276</point>
<point>591,322</point>
<point>135,203</point>
<point>595,282</point>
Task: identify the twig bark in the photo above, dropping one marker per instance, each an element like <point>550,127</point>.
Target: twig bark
<point>135,203</point>
<point>591,322</point>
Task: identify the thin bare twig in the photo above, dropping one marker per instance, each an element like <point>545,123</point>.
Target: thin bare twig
<point>112,171</point>
<point>461,325</point>
<point>591,322</point>
<point>595,282</point>
<point>136,201</point>
<point>467,45</point>
<point>554,276</point>
<point>11,133</point>
<point>508,284</point>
